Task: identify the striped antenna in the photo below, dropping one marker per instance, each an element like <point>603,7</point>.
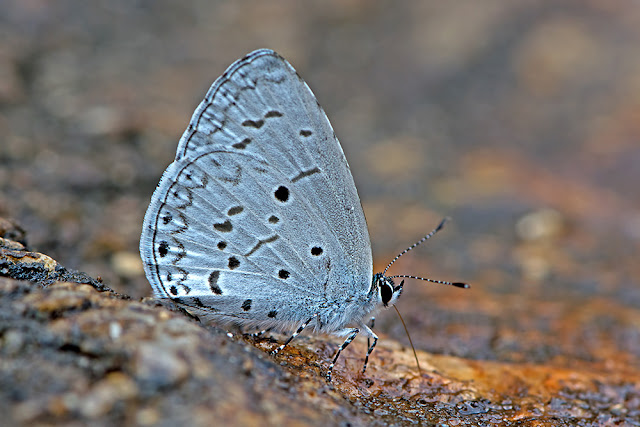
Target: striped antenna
<point>419,242</point>
<point>442,282</point>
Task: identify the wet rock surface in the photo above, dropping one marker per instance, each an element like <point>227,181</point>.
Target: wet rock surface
<point>73,353</point>
<point>76,352</point>
<point>517,119</point>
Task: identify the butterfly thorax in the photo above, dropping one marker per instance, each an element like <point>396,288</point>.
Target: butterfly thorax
<point>355,309</point>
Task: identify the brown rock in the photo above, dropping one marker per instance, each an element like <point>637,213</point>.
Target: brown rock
<point>74,352</point>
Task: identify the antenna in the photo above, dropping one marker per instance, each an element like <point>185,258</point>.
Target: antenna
<point>419,242</point>
<point>442,282</point>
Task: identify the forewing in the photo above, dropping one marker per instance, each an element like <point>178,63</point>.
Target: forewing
<point>260,105</point>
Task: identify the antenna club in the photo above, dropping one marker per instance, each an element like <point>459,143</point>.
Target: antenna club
<point>442,223</point>
<point>461,285</point>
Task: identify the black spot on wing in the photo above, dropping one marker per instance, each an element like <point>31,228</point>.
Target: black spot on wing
<point>167,218</point>
<point>213,282</point>
<point>262,242</point>
<point>283,274</point>
<point>181,253</point>
<point>223,227</point>
<point>163,248</point>
<point>246,305</point>
<point>242,144</point>
<point>235,210</point>
<point>253,123</point>
<point>305,174</point>
<point>233,263</point>
<point>273,113</point>
<point>305,133</point>
<point>282,194</point>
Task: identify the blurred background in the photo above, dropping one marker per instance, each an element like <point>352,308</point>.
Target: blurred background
<point>520,120</point>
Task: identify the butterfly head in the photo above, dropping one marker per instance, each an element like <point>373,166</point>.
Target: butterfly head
<point>388,292</point>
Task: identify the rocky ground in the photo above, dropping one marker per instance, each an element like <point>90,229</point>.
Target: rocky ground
<point>517,119</point>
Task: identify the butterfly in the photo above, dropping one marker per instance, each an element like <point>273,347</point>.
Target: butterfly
<point>257,222</point>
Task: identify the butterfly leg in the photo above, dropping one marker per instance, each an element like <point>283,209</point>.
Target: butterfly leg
<point>372,321</point>
<point>370,335</point>
<point>352,332</point>
<point>259,333</point>
<point>295,334</point>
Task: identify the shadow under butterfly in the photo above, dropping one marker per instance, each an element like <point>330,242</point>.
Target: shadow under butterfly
<point>257,222</point>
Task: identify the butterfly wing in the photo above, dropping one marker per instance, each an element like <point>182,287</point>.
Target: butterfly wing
<point>258,219</point>
<point>261,105</point>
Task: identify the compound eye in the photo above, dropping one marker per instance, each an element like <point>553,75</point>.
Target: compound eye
<point>386,292</point>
